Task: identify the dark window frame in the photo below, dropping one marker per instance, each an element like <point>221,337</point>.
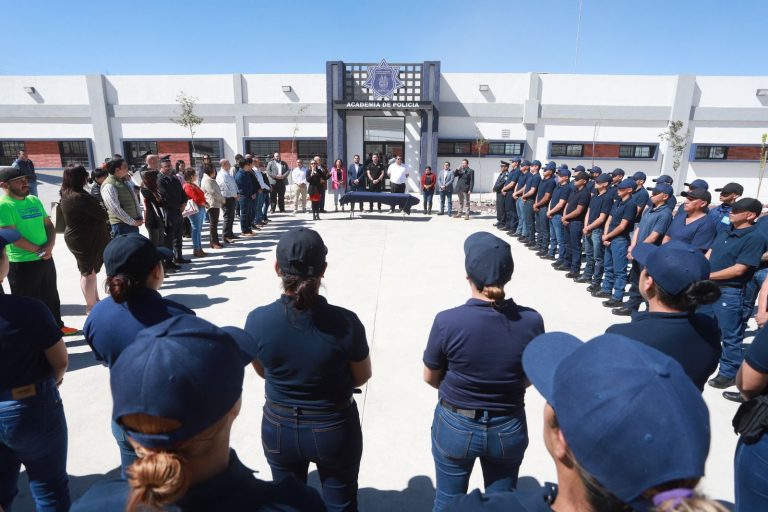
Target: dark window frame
<point>137,161</point>
<point>272,144</point>
<point>9,151</point>
<point>304,154</point>
<point>566,150</point>
<point>706,151</point>
<point>214,154</point>
<point>454,144</point>
<point>74,158</point>
<point>635,148</point>
<point>491,143</point>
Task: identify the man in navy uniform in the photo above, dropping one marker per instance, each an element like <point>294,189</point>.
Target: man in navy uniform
<point>528,198</point>
<point>729,194</point>
<point>597,215</point>
<point>522,181</point>
<point>555,215</point>
<point>640,196</point>
<point>667,179</point>
<point>595,172</point>
<point>543,196</point>
<point>497,186</point>
<point>573,219</point>
<point>616,239</point>
<point>511,220</point>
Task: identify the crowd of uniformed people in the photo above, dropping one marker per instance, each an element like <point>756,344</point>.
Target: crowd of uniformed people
<point>624,420</point>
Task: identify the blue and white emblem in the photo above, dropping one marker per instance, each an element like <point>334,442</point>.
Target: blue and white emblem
<point>383,80</point>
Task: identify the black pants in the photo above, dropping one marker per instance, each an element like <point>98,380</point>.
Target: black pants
<point>174,223</point>
<point>229,217</point>
<point>277,196</point>
<point>500,208</point>
<point>213,225</point>
<point>634,298</point>
<point>157,235</point>
<point>322,199</point>
<point>37,279</point>
<point>397,188</point>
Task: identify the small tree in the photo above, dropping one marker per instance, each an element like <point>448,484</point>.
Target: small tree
<point>677,139</point>
<point>480,141</point>
<point>763,157</point>
<point>299,112</point>
<point>188,119</point>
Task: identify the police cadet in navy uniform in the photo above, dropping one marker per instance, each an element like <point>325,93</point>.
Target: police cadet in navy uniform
<point>616,240</point>
<point>625,426</point>
<point>692,224</point>
<point>540,207</point>
<point>640,196</point>
<point>595,173</point>
<point>33,428</point>
<point>511,220</point>
<point>555,214</point>
<point>312,355</point>
<point>522,182</point>
<point>729,194</point>
<point>529,198</point>
<point>617,175</point>
<point>734,257</point>
<point>497,186</point>
<point>666,179</point>
<point>573,219</point>
<point>473,357</point>
<point>597,216</point>
<point>176,391</point>
<point>674,280</point>
<point>698,183</point>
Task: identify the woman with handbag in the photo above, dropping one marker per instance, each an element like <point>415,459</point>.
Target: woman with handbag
<point>195,210</point>
<point>216,201</point>
<point>315,189</point>
<point>338,182</point>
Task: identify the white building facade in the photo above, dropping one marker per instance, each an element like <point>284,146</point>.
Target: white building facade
<point>608,121</point>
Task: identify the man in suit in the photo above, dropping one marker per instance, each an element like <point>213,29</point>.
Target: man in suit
<point>277,172</point>
<point>356,178</point>
<point>465,183</point>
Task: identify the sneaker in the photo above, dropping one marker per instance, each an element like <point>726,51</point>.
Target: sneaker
<point>572,275</point>
<point>583,279</point>
<point>549,257</point>
<point>600,294</point>
<point>622,311</point>
<point>70,331</point>
<point>733,396</point>
<point>612,303</point>
<point>721,382</point>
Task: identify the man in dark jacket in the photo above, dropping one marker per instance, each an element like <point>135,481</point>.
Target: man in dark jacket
<point>175,200</point>
<point>27,168</point>
<point>465,183</point>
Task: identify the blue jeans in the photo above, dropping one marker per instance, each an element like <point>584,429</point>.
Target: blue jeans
<point>522,229</point>
<point>457,441</point>
<point>616,267</point>
<point>427,195</point>
<point>542,229</point>
<point>751,475</point>
<point>728,311</point>
<point>196,221</point>
<point>557,236</point>
<point>265,206</point>
<point>334,442</point>
<point>594,251</point>
<point>246,214</point>
<point>33,432</point>
<point>575,228</point>
<point>750,296</point>
<point>123,229</point>
<point>446,196</point>
<point>511,218</point>
<point>258,215</point>
<point>528,217</point>
<point>127,453</point>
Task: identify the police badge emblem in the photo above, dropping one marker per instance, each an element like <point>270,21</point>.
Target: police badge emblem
<point>383,80</point>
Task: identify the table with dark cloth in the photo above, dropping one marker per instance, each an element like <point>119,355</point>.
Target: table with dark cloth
<point>404,201</point>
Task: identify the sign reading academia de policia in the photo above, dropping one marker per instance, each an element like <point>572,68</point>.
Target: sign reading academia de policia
<point>383,83</point>
<point>382,105</point>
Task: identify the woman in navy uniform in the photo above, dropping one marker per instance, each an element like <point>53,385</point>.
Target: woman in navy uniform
<point>33,429</point>
<point>474,358</point>
<point>312,356</point>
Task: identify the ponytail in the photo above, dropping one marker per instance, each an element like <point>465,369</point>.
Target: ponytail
<point>697,294</point>
<point>680,496</point>
<point>305,290</point>
<point>156,479</point>
<point>495,293</point>
<point>120,286</point>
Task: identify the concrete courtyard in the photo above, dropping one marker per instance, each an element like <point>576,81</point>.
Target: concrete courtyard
<point>396,275</point>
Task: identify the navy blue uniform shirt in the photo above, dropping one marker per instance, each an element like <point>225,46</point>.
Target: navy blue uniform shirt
<point>641,198</point>
<point>481,348</point>
<point>559,193</point>
<point>27,330</point>
<point>692,339</point>
<point>306,354</point>
<point>111,327</point>
<point>576,199</point>
<point>533,182</point>
<point>622,210</point>
<point>513,175</point>
<point>546,186</point>
<point>757,353</point>
<point>720,216</point>
<point>522,181</point>
<point>600,203</point>
<point>699,233</point>
<point>533,500</point>
<point>236,489</point>
<point>745,246</point>
<point>671,202</point>
<point>654,220</point>
<point>613,193</point>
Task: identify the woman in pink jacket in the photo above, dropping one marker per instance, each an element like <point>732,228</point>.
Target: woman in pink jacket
<point>338,182</point>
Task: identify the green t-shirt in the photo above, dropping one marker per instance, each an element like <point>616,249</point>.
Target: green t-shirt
<point>28,217</point>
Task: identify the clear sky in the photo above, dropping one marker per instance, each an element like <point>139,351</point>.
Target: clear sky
<point>705,37</point>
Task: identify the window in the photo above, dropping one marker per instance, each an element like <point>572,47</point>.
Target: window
<point>74,152</point>
<point>711,152</point>
<point>458,148</point>
<point>136,151</point>
<point>309,149</point>
<point>205,147</point>
<point>637,151</point>
<point>574,150</point>
<point>505,148</point>
<point>263,149</point>
<point>9,151</point>
<point>383,129</point>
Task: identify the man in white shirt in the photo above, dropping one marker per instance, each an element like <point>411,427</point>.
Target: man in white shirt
<point>299,177</point>
<point>397,174</point>
<point>228,186</point>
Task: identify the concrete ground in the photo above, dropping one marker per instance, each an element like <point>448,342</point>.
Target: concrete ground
<point>396,276</point>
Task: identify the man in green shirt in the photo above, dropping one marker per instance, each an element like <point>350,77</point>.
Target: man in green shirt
<point>32,272</point>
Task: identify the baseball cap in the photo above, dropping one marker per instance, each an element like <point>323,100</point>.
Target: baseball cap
<point>627,183</point>
<point>617,172</point>
<point>487,259</point>
<point>731,188</point>
<point>746,204</point>
<point>631,416</point>
<point>301,252</point>
<point>8,236</point>
<point>516,159</point>
<point>578,168</point>
<point>603,178</point>
<point>664,178</point>
<point>183,368</point>
<point>698,193</point>
<point>563,171</point>
<point>581,175</point>
<point>674,266</point>
<point>596,169</point>
<point>662,188</point>
<point>133,254</point>
<point>551,166</point>
<point>639,175</point>
<point>697,184</point>
<point>535,162</point>
<point>524,163</point>
<point>9,174</point>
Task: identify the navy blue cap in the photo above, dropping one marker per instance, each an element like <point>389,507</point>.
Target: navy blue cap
<point>185,369</point>
<point>301,252</point>
<point>8,236</point>
<point>617,172</point>
<point>664,178</point>
<point>639,175</point>
<point>516,159</point>
<point>134,255</point>
<point>535,162</point>
<point>524,163</point>
<point>697,184</point>
<point>563,171</point>
<point>551,166</point>
<point>747,204</point>
<point>673,266</point>
<point>578,168</point>
<point>731,188</point>
<point>487,260</point>
<point>698,193</point>
<point>627,183</point>
<point>603,178</point>
<point>629,413</point>
<point>581,175</point>
<point>596,169</point>
<point>662,188</point>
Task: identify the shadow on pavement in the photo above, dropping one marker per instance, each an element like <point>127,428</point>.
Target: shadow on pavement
<point>195,300</point>
<point>77,487</point>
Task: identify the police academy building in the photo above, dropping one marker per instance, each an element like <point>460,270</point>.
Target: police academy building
<point>409,109</point>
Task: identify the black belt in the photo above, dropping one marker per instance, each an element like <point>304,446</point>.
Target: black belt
<point>311,411</point>
<point>477,413</point>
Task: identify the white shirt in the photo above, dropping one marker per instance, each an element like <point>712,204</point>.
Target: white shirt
<point>227,183</point>
<point>397,173</point>
<point>299,176</point>
<point>260,179</point>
